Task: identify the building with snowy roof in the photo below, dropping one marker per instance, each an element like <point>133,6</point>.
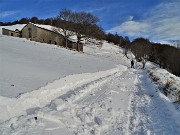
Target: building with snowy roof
<point>14,30</point>
<point>41,33</point>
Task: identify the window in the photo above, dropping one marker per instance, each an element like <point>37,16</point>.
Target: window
<point>12,34</point>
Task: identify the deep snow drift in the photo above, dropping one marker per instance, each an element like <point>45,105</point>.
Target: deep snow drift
<point>102,97</point>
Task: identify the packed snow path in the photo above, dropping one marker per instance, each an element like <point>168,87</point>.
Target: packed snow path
<point>120,101</point>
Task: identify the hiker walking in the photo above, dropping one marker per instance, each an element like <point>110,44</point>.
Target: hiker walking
<point>132,63</point>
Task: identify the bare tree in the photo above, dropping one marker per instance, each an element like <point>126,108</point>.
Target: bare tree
<point>24,20</point>
<point>81,23</point>
<point>65,32</point>
<point>65,17</point>
<point>84,25</point>
<point>84,18</point>
<point>34,20</point>
<point>126,45</point>
<point>142,50</point>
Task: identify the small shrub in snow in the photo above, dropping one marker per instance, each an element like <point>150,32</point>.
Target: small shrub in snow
<point>178,97</point>
<point>155,79</point>
<point>167,88</point>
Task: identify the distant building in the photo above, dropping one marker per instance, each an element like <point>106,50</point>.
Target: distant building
<point>40,33</point>
<point>14,30</point>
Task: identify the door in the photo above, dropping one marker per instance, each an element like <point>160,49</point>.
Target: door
<point>30,32</point>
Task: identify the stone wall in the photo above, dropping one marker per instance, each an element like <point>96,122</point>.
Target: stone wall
<point>25,32</point>
<point>42,35</point>
<point>50,37</point>
<point>10,33</point>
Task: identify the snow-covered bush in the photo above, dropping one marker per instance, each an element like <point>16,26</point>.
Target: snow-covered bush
<point>93,42</point>
<point>167,88</point>
<point>166,82</point>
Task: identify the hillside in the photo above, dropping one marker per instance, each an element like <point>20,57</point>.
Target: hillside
<point>95,92</point>
<point>29,65</point>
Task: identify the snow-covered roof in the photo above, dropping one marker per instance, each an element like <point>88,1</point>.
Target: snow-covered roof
<point>47,27</point>
<point>72,38</point>
<point>19,27</point>
<point>15,27</point>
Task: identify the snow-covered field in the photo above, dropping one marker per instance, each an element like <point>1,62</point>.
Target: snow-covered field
<point>27,65</point>
<point>94,93</point>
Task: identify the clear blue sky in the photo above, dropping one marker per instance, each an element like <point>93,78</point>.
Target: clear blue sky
<point>154,19</point>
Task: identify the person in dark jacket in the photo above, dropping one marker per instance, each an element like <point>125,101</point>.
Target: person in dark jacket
<point>132,63</point>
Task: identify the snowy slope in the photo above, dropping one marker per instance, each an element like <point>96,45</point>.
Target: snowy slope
<point>105,98</point>
<point>27,65</point>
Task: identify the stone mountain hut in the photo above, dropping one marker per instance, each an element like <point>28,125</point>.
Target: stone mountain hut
<point>40,33</point>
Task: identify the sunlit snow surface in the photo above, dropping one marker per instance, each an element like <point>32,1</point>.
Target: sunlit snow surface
<point>94,93</point>
<point>27,65</point>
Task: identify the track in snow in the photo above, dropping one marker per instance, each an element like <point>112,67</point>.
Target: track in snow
<point>149,112</point>
<point>99,107</point>
<point>124,102</point>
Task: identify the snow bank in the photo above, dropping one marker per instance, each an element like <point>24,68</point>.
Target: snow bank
<point>151,112</point>
<point>107,51</point>
<point>11,107</point>
<point>168,83</point>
